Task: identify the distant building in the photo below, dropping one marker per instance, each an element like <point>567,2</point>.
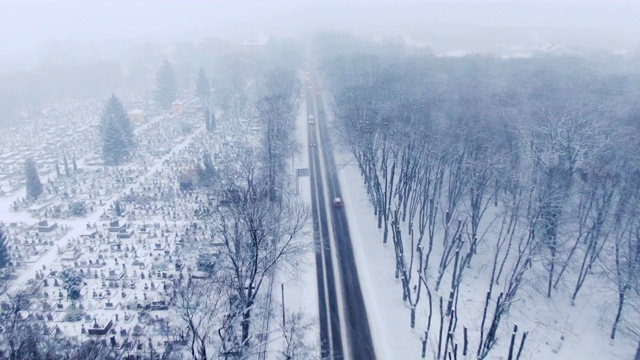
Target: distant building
<point>136,116</point>
<point>255,45</point>
<point>257,41</point>
<point>177,108</point>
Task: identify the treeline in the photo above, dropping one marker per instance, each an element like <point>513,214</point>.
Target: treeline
<point>524,170</point>
<point>70,71</point>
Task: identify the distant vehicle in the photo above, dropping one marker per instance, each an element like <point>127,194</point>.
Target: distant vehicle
<point>337,202</point>
<point>311,119</point>
<point>312,145</point>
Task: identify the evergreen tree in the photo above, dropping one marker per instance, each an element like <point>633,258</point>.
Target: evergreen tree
<point>203,87</point>
<point>118,209</point>
<point>57,169</point>
<point>75,166</point>
<point>77,208</point>
<point>209,120</point>
<point>166,86</point>
<point>72,280</point>
<point>203,90</point>
<point>66,166</point>
<point>4,251</point>
<point>34,186</point>
<point>206,172</point>
<point>116,133</point>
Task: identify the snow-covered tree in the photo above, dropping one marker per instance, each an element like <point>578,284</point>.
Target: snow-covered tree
<point>34,186</point>
<point>166,85</point>
<point>116,133</point>
<point>206,172</point>
<point>66,166</point>
<point>258,235</point>
<point>203,91</point>
<point>4,251</point>
<point>203,87</point>
<point>72,280</point>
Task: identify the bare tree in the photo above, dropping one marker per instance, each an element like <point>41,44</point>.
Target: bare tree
<point>255,235</point>
<point>198,303</point>
<point>626,236</point>
<point>295,333</point>
<point>596,191</point>
<point>230,83</point>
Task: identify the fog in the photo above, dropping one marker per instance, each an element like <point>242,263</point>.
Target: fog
<point>55,48</point>
<point>482,25</point>
<point>481,154</point>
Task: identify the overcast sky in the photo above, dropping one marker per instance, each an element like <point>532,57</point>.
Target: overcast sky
<point>25,24</point>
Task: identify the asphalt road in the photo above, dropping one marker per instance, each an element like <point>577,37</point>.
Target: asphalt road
<point>355,324</point>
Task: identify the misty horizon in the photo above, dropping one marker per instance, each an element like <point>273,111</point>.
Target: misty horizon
<point>445,26</point>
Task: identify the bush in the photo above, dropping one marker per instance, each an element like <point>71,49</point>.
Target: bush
<point>77,208</point>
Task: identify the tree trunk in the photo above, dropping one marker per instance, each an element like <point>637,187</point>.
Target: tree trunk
<point>413,317</point>
<point>551,270</point>
<point>246,321</point>
<point>618,314</point>
<point>524,337</point>
<point>466,342</point>
<point>513,341</point>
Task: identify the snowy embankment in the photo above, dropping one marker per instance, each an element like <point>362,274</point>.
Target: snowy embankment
<point>388,315</point>
<point>300,285</point>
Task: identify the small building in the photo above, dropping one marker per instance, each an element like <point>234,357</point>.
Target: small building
<point>177,108</point>
<point>136,116</point>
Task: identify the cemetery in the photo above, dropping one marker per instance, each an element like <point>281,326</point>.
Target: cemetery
<point>106,246</point>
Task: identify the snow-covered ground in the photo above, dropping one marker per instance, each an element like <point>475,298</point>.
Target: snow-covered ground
<point>557,330</point>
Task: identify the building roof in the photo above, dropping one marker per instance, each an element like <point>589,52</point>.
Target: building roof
<point>256,41</point>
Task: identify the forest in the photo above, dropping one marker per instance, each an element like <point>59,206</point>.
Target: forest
<point>496,182</point>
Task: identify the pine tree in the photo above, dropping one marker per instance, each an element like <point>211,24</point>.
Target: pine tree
<point>116,133</point>
<point>34,186</point>
<point>203,90</point>
<point>4,251</point>
<point>118,209</point>
<point>57,169</point>
<point>75,166</point>
<point>209,120</point>
<point>166,86</point>
<point>206,172</point>
<point>66,166</point>
<point>203,87</point>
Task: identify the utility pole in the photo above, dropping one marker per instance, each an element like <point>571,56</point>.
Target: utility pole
<point>282,292</point>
